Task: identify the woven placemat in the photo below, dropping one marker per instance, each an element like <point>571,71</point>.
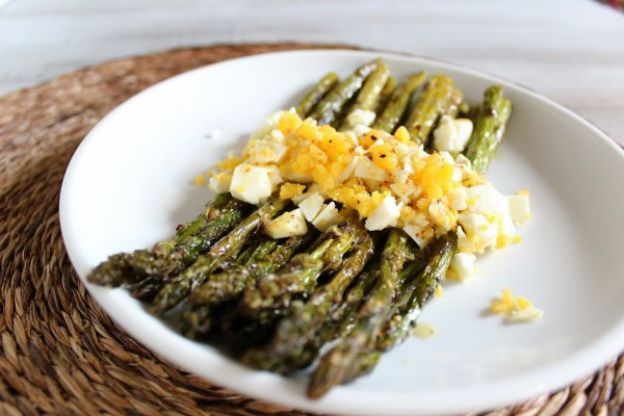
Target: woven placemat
<point>60,353</point>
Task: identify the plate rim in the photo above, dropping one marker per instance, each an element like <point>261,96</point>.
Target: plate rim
<point>576,365</point>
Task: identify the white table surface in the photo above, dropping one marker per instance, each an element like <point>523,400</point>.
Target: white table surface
<point>569,50</point>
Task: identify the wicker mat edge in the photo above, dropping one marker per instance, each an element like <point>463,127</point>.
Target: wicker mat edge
<point>60,354</point>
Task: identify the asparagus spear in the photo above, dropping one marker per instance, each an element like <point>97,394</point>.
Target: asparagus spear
<point>145,271</point>
<point>465,110</point>
<point>229,283</point>
<point>365,365</point>
<point>186,251</point>
<point>334,255</point>
<point>145,289</point>
<point>197,322</point>
<point>115,271</point>
<point>489,127</point>
<point>387,121</point>
<point>392,114</point>
<point>418,291</point>
<point>345,312</point>
<point>337,363</point>
<point>251,323</point>
<point>222,251</point>
<point>342,319</point>
<point>370,94</point>
<point>294,344</point>
<point>186,231</point>
<point>415,294</point>
<point>255,251</point>
<point>314,96</point>
<point>197,315</point>
<point>385,95</point>
<point>299,276</point>
<point>132,267</point>
<point>433,102</point>
<point>330,107</point>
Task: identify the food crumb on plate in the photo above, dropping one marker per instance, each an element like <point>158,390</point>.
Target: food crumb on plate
<point>200,180</point>
<point>423,330</point>
<point>439,292</point>
<point>515,309</point>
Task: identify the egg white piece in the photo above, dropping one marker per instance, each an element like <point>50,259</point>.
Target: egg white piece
<point>385,215</point>
<point>327,217</point>
<point>311,206</point>
<point>452,134</point>
<point>288,224</point>
<point>252,184</point>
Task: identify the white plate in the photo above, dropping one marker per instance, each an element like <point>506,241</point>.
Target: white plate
<point>130,183</point>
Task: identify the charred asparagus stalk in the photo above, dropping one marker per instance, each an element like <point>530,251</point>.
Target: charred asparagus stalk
<point>331,106</point>
<point>370,94</point>
<point>294,344</point>
<point>343,314</point>
<point>219,254</point>
<point>398,103</point>
<point>187,250</point>
<point>415,294</point>
<point>197,316</point>
<point>439,97</point>
<point>489,127</point>
<point>385,95</point>
<point>299,276</point>
<point>336,365</point>
<point>229,283</point>
<point>421,288</point>
<point>170,255</point>
<point>315,95</point>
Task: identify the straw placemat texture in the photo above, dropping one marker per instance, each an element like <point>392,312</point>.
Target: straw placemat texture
<point>60,354</point>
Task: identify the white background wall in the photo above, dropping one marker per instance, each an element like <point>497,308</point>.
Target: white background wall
<point>570,50</point>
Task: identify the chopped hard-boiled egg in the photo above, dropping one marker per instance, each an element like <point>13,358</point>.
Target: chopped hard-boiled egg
<point>220,182</point>
<point>519,207</point>
<point>515,309</point>
<point>366,169</point>
<point>481,233</point>
<point>287,225</point>
<point>462,266</point>
<point>457,199</point>
<point>487,200</point>
<point>311,206</point>
<point>452,135</point>
<point>267,151</point>
<point>291,190</point>
<point>385,215</point>
<point>361,129</point>
<point>387,179</point>
<point>360,117</point>
<point>442,216</point>
<point>252,184</point>
<point>487,221</point>
<point>327,216</point>
<point>274,175</point>
<point>420,234</point>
